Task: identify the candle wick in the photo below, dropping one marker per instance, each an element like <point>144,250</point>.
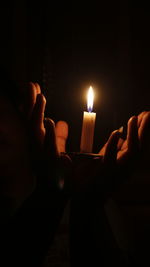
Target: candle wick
<point>90,110</point>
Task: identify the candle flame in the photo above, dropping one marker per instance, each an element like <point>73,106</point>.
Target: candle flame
<point>90,98</point>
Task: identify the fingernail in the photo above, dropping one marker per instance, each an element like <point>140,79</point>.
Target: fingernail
<point>120,129</point>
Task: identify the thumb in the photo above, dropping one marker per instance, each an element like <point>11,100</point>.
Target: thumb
<point>61,135</point>
<point>38,118</point>
<point>50,146</point>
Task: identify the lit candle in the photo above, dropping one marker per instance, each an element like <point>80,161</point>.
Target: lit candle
<point>88,125</point>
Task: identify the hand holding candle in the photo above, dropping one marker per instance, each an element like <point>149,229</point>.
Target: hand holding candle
<point>88,125</point>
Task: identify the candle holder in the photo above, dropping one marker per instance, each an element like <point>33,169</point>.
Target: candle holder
<point>80,155</point>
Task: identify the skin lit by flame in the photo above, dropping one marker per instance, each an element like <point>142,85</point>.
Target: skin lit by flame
<point>90,98</point>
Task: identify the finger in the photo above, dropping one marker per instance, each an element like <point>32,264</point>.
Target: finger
<point>50,145</point>
<point>102,151</point>
<point>140,117</point>
<point>29,99</point>
<point>144,131</point>
<point>111,148</point>
<point>61,135</point>
<point>60,163</point>
<point>120,144</point>
<point>121,140</point>
<point>38,89</point>
<point>132,135</point>
<point>124,145</point>
<point>121,129</point>
<point>37,120</point>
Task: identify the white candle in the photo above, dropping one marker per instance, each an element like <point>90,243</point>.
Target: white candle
<point>88,125</point>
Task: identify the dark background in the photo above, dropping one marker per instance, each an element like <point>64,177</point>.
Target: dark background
<point>67,48</point>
